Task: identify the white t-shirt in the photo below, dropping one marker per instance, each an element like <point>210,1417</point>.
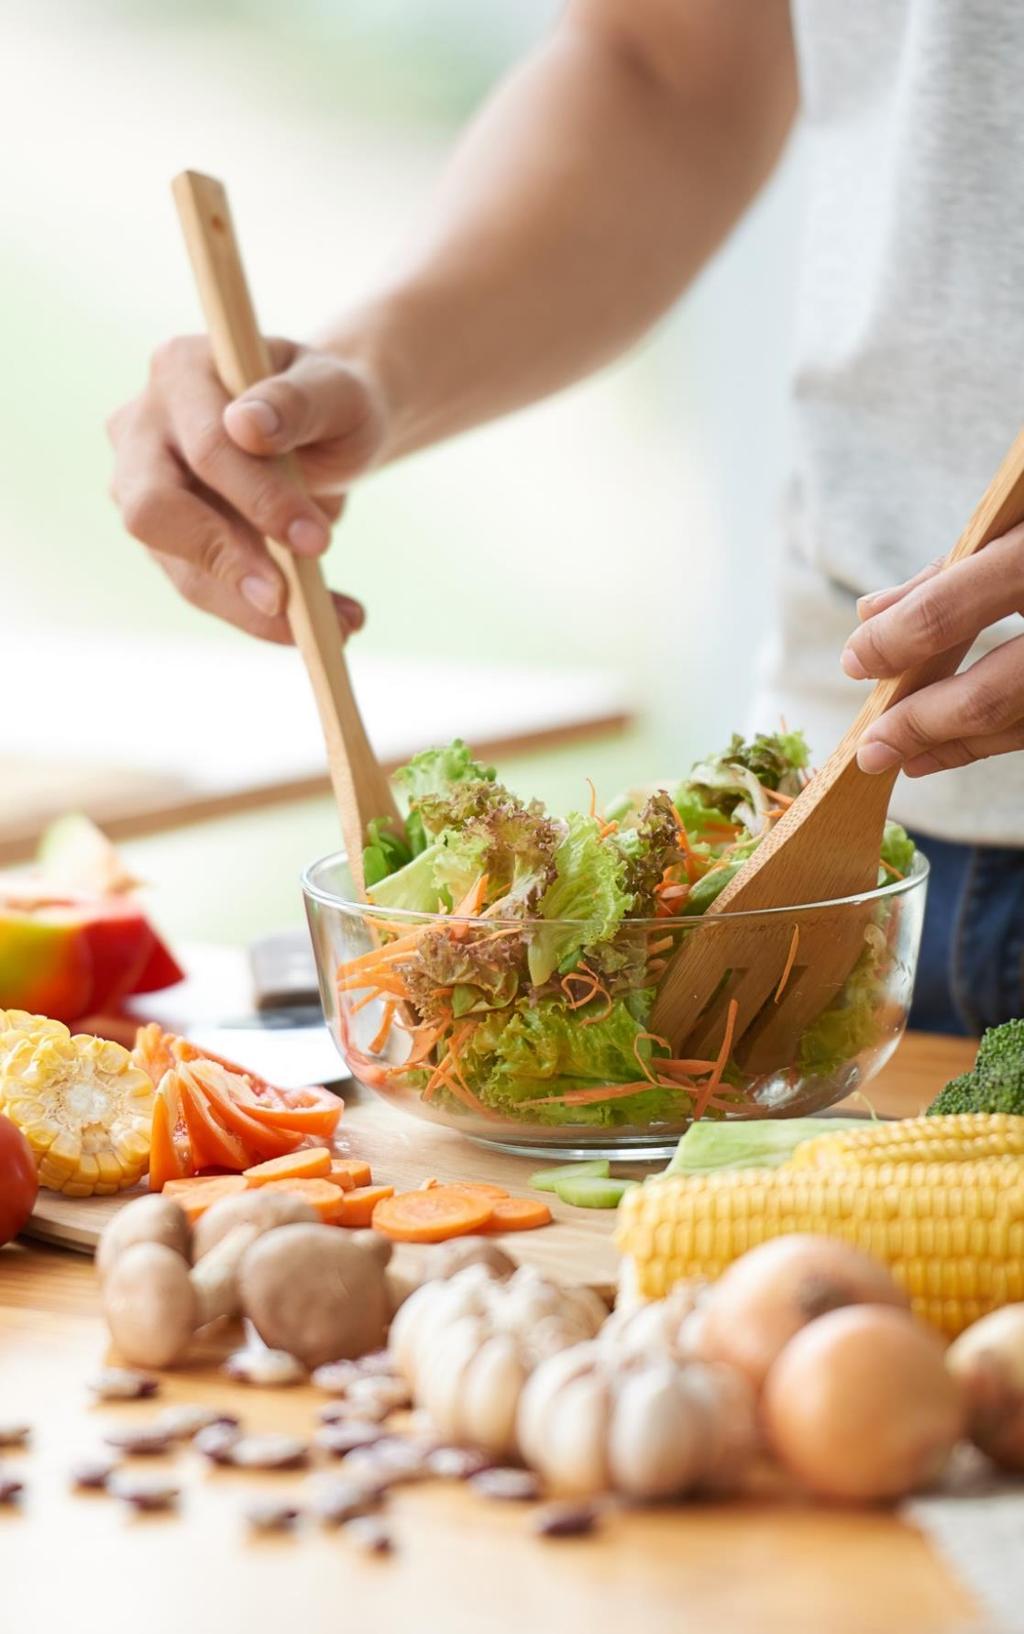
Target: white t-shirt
<point>908,384</point>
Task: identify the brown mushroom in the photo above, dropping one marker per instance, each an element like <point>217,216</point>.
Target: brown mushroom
<point>317,1292</point>
<point>154,1303</point>
<point>266,1209</point>
<point>150,1219</point>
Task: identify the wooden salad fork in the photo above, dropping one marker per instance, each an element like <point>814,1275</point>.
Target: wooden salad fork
<point>361,789</point>
<point>771,976</point>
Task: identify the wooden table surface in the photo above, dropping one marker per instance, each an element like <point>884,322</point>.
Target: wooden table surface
<point>462,1564</point>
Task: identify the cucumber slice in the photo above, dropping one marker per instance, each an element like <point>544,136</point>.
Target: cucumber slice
<point>597,1168</point>
<point>596,1192</point>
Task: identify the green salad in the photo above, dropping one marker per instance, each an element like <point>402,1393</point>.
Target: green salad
<point>529,998</point>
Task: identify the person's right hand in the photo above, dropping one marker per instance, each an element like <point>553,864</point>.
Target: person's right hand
<point>198,480</point>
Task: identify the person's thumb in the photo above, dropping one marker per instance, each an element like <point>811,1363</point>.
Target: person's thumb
<point>315,400</point>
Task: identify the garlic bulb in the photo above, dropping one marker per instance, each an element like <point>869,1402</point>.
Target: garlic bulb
<point>467,1346</point>
<point>667,1326</point>
<point>595,1419</point>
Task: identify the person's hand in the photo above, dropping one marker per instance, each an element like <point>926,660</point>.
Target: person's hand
<point>197,480</point>
<point>969,716</point>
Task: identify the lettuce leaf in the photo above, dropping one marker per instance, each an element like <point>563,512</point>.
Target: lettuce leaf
<point>435,771</point>
<point>587,887</point>
<point>533,1051</point>
<point>648,849</point>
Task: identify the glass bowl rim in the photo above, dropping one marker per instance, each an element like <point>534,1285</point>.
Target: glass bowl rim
<point>919,871</point>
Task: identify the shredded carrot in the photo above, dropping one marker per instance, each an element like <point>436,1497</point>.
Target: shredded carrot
<point>777,794</point>
<point>704,1096</point>
<point>380,1037</point>
<point>593,796</point>
<point>889,869</point>
<point>656,966</point>
<point>471,903</point>
<point>661,945</point>
<point>431,1216</point>
<point>790,962</point>
<point>599,1092</point>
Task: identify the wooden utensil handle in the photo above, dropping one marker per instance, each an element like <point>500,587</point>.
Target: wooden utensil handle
<point>240,352</point>
<point>1000,508</point>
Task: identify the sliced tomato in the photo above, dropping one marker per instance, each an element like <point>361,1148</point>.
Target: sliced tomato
<point>231,1100</point>
<point>166,1161</point>
<point>213,1146</point>
<point>312,1110</point>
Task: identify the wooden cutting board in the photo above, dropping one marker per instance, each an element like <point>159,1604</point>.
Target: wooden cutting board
<point>402,1152</point>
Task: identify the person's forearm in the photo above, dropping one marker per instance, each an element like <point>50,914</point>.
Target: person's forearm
<point>582,200</point>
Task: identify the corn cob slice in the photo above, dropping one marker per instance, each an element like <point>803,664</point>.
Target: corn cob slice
<point>84,1108</point>
<point>17,1024</point>
<point>956,1138</point>
<point>952,1234</point>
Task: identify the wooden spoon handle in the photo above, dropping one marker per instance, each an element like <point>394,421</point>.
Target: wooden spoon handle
<point>1000,508</point>
<point>361,789</point>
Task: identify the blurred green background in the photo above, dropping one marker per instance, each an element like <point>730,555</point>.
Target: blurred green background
<point>625,525</point>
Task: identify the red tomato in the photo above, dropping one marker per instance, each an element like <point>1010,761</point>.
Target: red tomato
<point>18,1180</point>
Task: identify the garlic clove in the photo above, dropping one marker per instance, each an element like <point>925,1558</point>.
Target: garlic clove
<point>540,1397</point>
<point>442,1375</point>
<point>493,1383</point>
<point>658,1438</point>
<point>575,1457</point>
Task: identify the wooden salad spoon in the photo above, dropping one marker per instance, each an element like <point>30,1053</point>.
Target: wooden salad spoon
<point>361,789</point>
<point>823,849</point>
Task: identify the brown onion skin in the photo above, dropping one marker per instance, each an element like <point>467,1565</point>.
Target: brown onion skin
<point>860,1406</point>
<point>774,1290</point>
<point>988,1361</point>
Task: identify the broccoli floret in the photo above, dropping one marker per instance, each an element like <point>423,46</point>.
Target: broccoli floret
<point>996,1081</point>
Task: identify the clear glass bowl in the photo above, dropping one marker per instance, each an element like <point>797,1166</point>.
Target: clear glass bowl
<point>506,1086</point>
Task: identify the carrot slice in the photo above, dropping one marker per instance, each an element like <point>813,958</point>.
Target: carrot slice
<point>350,1172</point>
<point>213,1146</point>
<point>200,1191</point>
<point>312,1163</point>
<point>357,1206</point>
<point>165,1161</point>
<point>518,1214</point>
<point>482,1188</point>
<point>321,1195</point>
<point>432,1216</point>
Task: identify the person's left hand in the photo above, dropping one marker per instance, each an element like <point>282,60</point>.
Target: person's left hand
<point>970,716</point>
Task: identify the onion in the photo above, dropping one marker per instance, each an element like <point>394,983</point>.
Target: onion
<point>768,1295</point>
<point>860,1405</point>
<point>988,1360</point>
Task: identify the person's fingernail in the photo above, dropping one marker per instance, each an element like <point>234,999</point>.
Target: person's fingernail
<point>852,665</point>
<point>865,603</point>
<point>263,594</point>
<point>877,757</point>
<point>261,414</point>
<point>307,537</point>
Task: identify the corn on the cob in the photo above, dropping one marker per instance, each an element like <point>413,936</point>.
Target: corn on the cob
<point>956,1138</point>
<point>83,1106</point>
<point>952,1234</point>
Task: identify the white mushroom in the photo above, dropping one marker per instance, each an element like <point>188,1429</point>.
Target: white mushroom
<point>152,1301</point>
<point>317,1292</point>
<point>150,1219</point>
